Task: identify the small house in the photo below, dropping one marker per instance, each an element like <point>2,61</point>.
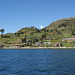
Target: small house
<point>28,41</point>
<point>57,44</point>
<point>38,44</point>
<point>68,39</point>
<point>46,43</point>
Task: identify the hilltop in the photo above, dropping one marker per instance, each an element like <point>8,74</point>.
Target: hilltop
<point>65,27</point>
<point>64,21</point>
<point>52,35</point>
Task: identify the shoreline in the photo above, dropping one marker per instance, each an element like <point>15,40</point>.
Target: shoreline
<point>38,48</point>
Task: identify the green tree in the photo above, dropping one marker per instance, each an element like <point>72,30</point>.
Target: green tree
<point>35,40</point>
<point>18,34</point>
<point>41,39</point>
<point>24,39</point>
<point>37,31</point>
<point>2,31</point>
<point>43,36</point>
<point>47,30</point>
<point>73,32</point>
<point>73,29</point>
<point>31,33</point>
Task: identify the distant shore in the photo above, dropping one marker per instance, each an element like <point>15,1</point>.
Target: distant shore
<point>38,48</point>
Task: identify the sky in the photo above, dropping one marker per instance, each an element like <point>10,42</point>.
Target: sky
<point>17,14</point>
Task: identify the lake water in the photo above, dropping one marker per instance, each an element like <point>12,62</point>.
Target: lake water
<point>37,62</point>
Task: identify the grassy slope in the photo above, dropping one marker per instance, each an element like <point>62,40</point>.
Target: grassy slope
<point>18,40</point>
<point>59,31</point>
<point>65,31</point>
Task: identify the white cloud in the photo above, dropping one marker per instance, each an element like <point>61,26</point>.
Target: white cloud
<point>41,27</point>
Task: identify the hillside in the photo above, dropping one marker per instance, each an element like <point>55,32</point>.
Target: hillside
<point>65,21</point>
<point>54,33</point>
<point>31,34</point>
<point>65,27</point>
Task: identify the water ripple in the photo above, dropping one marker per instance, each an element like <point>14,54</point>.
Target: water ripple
<point>37,62</point>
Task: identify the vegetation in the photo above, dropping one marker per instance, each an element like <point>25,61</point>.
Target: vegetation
<point>54,33</point>
<point>2,31</point>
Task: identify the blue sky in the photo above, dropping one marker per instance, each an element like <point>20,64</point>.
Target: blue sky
<point>16,14</point>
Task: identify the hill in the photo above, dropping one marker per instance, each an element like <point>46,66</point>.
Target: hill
<point>62,23</point>
<point>32,35</point>
<point>63,29</point>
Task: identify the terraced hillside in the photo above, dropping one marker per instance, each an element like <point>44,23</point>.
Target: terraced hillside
<point>54,33</point>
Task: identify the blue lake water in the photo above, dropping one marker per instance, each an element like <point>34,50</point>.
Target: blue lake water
<point>37,62</point>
